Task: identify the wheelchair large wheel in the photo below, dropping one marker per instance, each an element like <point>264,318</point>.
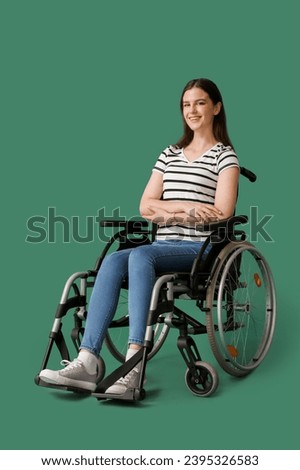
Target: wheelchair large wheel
<point>241,308</point>
<point>117,336</point>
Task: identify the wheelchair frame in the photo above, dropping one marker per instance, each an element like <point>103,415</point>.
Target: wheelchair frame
<point>239,330</point>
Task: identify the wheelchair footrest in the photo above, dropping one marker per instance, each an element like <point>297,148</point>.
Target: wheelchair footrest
<point>67,388</point>
<point>131,394</point>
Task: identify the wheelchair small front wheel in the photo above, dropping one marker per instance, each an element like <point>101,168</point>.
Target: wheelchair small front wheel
<point>203,381</point>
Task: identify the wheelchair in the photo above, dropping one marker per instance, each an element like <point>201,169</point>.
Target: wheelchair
<point>232,286</point>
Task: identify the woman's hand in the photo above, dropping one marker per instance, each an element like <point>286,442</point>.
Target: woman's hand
<point>160,216</point>
<point>201,212</point>
<point>189,214</point>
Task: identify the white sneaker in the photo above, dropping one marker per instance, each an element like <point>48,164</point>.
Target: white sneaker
<point>74,375</point>
<point>131,380</point>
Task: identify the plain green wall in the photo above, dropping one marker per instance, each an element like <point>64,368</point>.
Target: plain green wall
<point>90,93</point>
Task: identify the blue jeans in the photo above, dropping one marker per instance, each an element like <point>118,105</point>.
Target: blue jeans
<point>140,266</point>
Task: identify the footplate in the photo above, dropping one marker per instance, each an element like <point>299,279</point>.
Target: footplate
<point>131,394</point>
<point>67,388</point>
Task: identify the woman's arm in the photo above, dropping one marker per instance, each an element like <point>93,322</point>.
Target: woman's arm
<point>226,192</point>
<point>162,212</point>
<point>151,198</point>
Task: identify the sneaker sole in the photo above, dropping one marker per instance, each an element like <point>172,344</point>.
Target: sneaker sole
<point>120,389</point>
<point>91,387</point>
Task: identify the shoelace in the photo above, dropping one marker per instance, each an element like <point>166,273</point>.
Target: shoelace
<point>127,378</point>
<point>69,365</point>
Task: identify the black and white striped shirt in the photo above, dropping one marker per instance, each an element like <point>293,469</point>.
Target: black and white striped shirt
<point>191,181</point>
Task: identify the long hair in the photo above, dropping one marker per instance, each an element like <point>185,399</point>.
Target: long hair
<point>219,122</point>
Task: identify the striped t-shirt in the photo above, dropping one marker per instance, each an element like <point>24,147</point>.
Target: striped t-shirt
<point>191,181</point>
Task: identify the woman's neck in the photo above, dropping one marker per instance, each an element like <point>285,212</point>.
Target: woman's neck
<point>200,143</point>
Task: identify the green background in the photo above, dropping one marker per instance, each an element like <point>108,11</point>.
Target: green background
<point>89,98</point>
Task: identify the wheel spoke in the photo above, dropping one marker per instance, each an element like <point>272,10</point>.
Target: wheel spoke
<point>244,310</point>
<point>117,336</point>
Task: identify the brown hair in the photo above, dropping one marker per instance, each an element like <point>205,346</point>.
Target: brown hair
<point>219,123</point>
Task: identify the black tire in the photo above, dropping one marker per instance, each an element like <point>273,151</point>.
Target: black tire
<point>241,308</point>
<point>204,381</point>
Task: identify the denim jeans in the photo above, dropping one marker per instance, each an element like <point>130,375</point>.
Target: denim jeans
<point>140,266</point>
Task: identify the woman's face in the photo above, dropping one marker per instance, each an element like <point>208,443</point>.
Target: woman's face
<point>198,109</point>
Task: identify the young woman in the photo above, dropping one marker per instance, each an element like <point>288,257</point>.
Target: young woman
<point>194,180</point>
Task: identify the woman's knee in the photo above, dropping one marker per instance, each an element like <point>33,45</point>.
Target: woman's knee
<point>141,256</point>
<point>115,260</point>
<point>113,268</point>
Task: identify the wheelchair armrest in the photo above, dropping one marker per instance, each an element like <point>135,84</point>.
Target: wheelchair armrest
<point>248,174</point>
<point>130,226</point>
<point>131,233</point>
<point>227,224</point>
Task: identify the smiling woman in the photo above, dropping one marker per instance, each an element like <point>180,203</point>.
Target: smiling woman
<point>192,172</point>
<point>194,180</point>
<point>206,92</point>
<point>199,112</point>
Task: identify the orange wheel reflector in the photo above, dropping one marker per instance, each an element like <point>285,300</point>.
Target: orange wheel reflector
<point>232,350</point>
<point>257,280</point>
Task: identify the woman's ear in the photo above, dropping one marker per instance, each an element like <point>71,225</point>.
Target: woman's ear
<point>218,107</point>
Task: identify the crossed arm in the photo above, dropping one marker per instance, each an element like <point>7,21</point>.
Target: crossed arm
<point>165,212</point>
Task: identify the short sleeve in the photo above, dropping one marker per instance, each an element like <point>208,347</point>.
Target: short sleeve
<point>161,162</point>
<point>227,159</point>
